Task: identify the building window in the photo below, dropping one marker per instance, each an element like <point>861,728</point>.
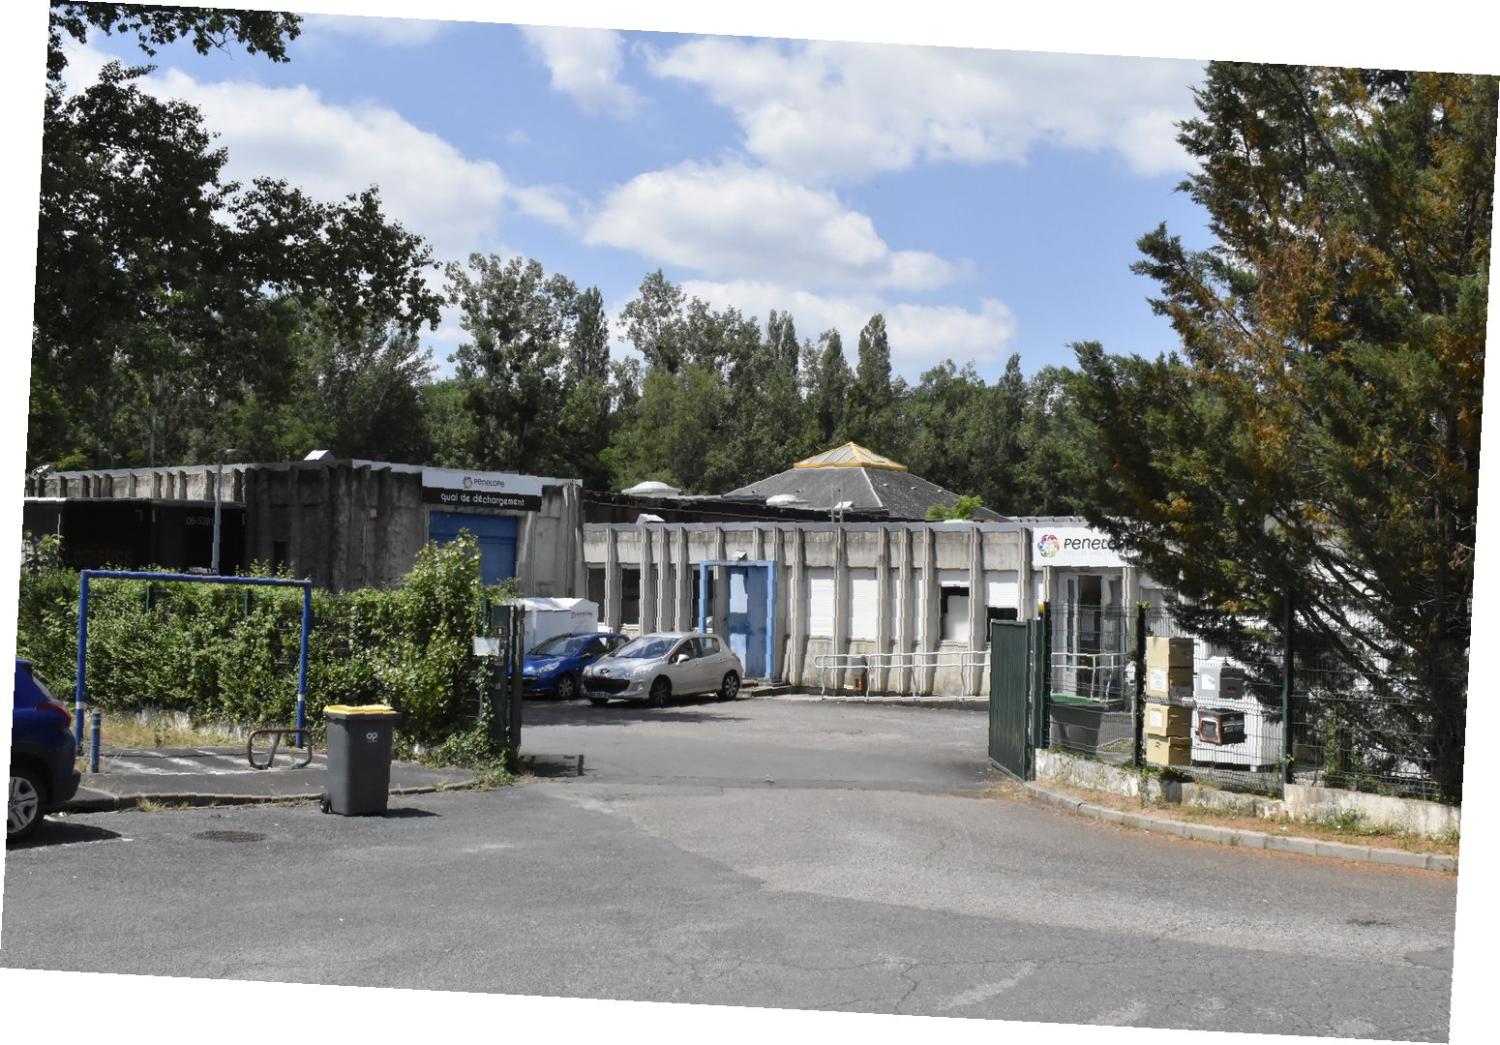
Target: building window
<point>596,585</point>
<point>630,596</point>
<point>955,611</point>
<point>278,554</point>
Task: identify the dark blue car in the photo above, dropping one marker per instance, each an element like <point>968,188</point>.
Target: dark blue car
<point>555,666</point>
<point>42,774</point>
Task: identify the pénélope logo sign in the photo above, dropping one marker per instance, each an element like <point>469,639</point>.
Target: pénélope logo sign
<point>1073,546</point>
<point>500,491</point>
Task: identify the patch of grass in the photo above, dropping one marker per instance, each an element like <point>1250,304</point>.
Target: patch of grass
<point>148,805</point>
<point>129,731</point>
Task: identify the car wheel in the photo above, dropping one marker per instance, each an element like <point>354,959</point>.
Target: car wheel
<point>26,803</point>
<point>730,687</point>
<point>661,689</point>
<point>566,688</point>
<point>598,702</point>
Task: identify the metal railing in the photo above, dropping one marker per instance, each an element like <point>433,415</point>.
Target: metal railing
<point>1101,677</point>
<point>911,663</point>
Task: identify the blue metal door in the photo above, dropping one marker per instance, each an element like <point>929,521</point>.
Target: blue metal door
<point>497,540</point>
<point>747,616</point>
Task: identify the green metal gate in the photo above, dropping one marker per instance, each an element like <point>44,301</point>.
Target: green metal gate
<point>1012,652</point>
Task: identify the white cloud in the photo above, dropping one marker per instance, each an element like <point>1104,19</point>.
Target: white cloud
<point>830,111</point>
<point>585,64</point>
<point>921,336</point>
<point>330,150</point>
<point>742,223</point>
<point>387,32</point>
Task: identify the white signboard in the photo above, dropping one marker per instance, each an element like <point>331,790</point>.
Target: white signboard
<point>1072,546</point>
<point>486,482</point>
<point>504,491</point>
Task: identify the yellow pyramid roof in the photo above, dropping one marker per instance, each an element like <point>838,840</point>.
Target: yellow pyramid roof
<point>850,455</point>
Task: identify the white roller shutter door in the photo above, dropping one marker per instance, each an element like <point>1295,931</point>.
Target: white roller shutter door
<point>820,602</point>
<point>864,603</point>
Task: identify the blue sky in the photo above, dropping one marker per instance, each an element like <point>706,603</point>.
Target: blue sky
<point>987,202</point>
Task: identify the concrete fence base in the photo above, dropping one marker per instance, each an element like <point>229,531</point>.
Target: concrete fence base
<point>1300,802</point>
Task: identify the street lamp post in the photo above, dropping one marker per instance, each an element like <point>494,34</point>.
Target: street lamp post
<point>218,499</point>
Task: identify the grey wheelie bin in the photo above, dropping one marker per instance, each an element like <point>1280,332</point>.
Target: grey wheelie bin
<point>359,758</point>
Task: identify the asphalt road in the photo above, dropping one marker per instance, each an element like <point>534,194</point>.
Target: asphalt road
<point>759,853</point>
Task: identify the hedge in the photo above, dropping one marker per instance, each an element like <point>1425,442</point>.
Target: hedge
<point>228,654</point>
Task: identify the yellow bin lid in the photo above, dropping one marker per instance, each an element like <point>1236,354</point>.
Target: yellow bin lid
<point>359,709</point>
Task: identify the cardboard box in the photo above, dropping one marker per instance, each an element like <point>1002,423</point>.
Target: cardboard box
<point>1169,653</point>
<point>1217,680</point>
<point>1168,720</point>
<point>1172,683</point>
<point>1168,751</point>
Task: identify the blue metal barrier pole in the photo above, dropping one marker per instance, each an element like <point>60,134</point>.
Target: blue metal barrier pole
<point>94,722</point>
<point>83,641</point>
<point>302,662</point>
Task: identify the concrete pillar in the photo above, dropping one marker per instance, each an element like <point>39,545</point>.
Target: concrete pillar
<point>717,611</point>
<point>876,678</point>
<point>930,630</point>
<point>648,582</point>
<point>978,615</point>
<point>903,679</point>
<point>613,589</point>
<point>796,606</point>
<point>1025,580</point>
<point>840,600</point>
<point>685,577</point>
<point>777,668</point>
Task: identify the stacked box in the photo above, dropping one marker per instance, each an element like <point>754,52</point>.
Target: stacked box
<point>1169,653</point>
<point>1219,680</point>
<point>1168,751</point>
<point>1169,669</point>
<point>1168,720</point>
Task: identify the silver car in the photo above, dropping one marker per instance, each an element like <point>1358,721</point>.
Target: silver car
<point>655,668</point>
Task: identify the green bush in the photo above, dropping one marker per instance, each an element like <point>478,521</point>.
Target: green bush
<point>226,654</point>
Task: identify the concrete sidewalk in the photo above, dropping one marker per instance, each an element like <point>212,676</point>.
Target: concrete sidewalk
<point>223,776</point>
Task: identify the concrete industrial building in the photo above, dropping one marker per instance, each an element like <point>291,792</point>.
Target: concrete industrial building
<point>344,523</point>
<point>795,593</point>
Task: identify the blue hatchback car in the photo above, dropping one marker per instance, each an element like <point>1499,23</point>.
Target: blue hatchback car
<point>554,667</point>
<point>42,774</point>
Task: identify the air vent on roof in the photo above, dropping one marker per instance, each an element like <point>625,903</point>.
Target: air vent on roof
<point>318,455</point>
<point>647,517</point>
<point>783,500</point>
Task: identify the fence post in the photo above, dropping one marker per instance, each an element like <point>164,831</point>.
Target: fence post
<point>1287,664</point>
<point>1137,708</point>
<point>80,684</point>
<point>1044,680</point>
<point>94,723</point>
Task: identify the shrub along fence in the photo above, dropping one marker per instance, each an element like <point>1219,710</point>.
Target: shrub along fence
<point>229,655</point>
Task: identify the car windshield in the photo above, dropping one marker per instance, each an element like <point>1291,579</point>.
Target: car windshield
<point>648,648</point>
<point>561,646</point>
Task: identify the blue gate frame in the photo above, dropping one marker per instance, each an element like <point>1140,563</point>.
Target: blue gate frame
<point>770,567</point>
<point>80,691</point>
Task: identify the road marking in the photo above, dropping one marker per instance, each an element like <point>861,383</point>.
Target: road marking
<point>115,762</point>
<point>986,991</point>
